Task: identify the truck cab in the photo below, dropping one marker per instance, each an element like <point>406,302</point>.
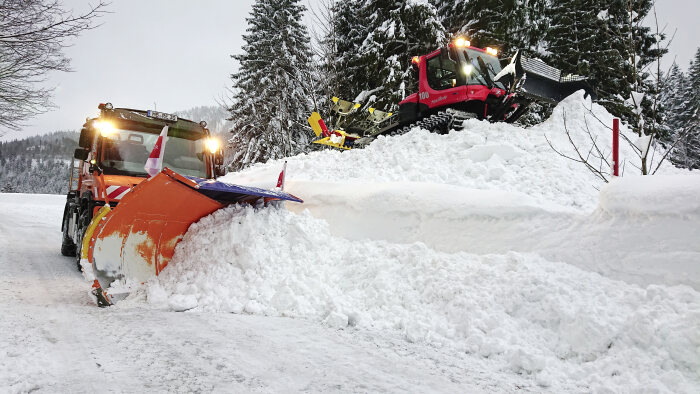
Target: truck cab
<point>459,77</point>
<point>110,161</point>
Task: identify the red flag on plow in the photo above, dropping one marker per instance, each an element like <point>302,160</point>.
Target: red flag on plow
<point>154,164</point>
<point>280,179</point>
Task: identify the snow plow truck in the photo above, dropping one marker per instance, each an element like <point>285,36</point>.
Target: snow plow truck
<point>122,219</point>
<point>455,83</point>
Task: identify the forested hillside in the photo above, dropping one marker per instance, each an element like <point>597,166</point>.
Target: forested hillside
<point>38,164</point>
<point>216,117</point>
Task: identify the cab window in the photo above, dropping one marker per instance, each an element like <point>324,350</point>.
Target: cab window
<point>442,72</point>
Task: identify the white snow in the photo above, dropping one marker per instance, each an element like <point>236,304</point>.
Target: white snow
<point>484,243</point>
<point>478,261</point>
<point>642,143</point>
<point>673,195</point>
<point>53,339</point>
<point>549,320</point>
<point>509,69</point>
<point>522,159</point>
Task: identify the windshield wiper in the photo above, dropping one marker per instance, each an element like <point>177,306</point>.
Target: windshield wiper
<point>469,61</point>
<point>485,72</point>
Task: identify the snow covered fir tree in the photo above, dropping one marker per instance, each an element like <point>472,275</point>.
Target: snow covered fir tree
<point>376,40</point>
<point>38,164</point>
<point>509,25</point>
<point>681,125</point>
<point>272,86</point>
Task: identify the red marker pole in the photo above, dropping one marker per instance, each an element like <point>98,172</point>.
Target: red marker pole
<point>616,146</point>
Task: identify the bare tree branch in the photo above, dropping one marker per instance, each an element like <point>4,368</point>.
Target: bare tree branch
<point>33,35</point>
<point>598,172</point>
<point>681,135</point>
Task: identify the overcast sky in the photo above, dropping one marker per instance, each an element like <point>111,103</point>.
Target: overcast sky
<point>175,55</point>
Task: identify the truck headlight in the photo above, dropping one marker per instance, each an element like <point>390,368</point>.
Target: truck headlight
<point>461,42</point>
<point>212,145</point>
<point>106,128</point>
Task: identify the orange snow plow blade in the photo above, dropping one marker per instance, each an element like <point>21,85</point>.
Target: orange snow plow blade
<point>136,239</point>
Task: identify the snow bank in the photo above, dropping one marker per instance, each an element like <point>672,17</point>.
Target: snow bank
<point>495,188</point>
<point>550,320</point>
<point>676,195</point>
<point>486,156</point>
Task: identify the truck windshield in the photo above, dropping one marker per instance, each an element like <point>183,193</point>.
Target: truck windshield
<point>493,67</point>
<point>124,152</point>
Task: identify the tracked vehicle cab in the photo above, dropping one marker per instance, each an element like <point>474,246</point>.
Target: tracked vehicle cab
<point>460,66</point>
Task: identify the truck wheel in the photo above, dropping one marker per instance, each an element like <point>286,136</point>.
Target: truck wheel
<point>83,222</point>
<point>67,244</point>
<point>67,247</point>
<point>79,248</point>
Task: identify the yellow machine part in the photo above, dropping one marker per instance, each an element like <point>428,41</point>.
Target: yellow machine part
<point>91,230</point>
<point>314,121</point>
<point>327,141</point>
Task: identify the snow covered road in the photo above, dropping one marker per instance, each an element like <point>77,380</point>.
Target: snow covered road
<point>519,313</point>
<point>53,339</point>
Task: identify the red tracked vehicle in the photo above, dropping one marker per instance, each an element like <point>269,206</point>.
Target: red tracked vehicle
<point>459,82</point>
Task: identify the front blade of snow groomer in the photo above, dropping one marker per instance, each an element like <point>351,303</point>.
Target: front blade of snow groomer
<point>137,239</point>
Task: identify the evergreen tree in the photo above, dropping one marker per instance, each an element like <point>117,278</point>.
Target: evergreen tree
<point>271,88</point>
<point>398,31</point>
<point>687,152</point>
<point>38,164</point>
<point>607,42</point>
<point>673,99</point>
<point>350,31</point>
<point>508,25</point>
<point>377,39</point>
<point>589,38</point>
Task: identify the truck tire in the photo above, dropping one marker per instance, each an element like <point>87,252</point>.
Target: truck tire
<point>84,218</point>
<point>67,244</point>
<point>83,222</point>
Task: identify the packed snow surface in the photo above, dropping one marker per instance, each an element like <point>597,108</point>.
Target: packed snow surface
<point>496,188</point>
<point>551,321</point>
<point>483,242</point>
<point>53,339</point>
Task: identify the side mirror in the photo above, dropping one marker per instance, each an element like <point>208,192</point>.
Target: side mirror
<point>81,154</point>
<point>85,140</point>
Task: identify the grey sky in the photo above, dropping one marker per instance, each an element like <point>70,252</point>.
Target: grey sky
<point>176,54</point>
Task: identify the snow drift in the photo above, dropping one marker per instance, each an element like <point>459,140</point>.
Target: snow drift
<point>533,316</point>
<point>483,241</point>
<point>495,188</point>
<point>483,156</point>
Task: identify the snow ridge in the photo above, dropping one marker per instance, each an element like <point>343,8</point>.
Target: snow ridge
<point>469,242</point>
<point>551,320</point>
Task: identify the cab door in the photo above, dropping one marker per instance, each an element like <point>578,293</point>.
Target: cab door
<point>441,83</point>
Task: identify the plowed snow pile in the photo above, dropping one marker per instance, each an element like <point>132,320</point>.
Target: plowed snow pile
<point>444,259</point>
<point>551,320</point>
<point>483,156</point>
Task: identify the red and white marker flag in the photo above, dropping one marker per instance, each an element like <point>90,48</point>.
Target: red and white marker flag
<point>280,180</point>
<point>154,164</point>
